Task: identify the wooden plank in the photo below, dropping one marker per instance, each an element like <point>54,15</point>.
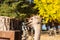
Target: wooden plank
<point>10,34</point>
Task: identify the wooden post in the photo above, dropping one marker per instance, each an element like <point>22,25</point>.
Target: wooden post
<point>11,35</point>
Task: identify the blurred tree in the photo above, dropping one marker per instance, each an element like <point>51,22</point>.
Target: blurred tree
<point>16,8</point>
<point>49,9</point>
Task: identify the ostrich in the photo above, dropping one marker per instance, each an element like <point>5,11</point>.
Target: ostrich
<point>35,22</point>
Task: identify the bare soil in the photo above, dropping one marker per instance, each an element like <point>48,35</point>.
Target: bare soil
<point>47,37</point>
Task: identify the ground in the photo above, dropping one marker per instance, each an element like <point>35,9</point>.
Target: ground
<point>47,37</point>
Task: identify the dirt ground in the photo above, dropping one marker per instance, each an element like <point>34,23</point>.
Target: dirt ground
<point>47,37</point>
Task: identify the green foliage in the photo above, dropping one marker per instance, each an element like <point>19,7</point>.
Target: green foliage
<point>17,9</point>
<point>49,9</point>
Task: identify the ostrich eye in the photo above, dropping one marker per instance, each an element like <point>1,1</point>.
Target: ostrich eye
<point>31,19</point>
